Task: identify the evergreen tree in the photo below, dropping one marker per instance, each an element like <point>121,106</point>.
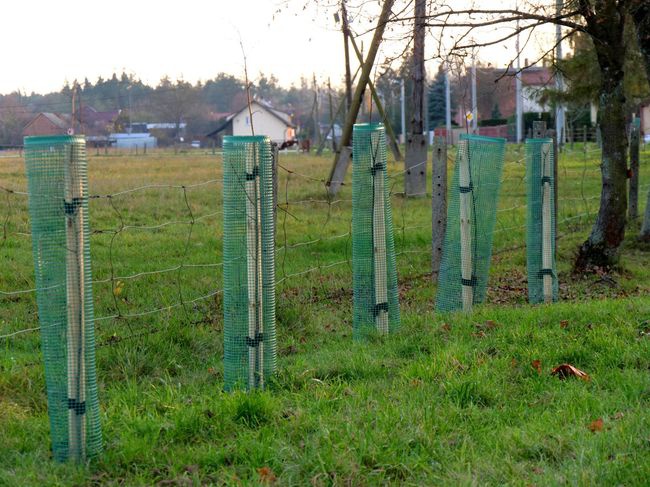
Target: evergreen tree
<point>437,101</point>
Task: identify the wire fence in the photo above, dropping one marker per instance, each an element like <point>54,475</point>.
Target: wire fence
<point>156,242</point>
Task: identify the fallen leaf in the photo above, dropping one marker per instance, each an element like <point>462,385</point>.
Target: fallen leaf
<point>445,327</point>
<point>564,324</point>
<point>266,475</point>
<point>537,365</point>
<point>513,363</point>
<point>567,370</point>
<point>490,325</point>
<point>619,415</point>
<point>596,425</point>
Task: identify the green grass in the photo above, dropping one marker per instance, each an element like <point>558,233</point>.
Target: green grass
<point>448,400</point>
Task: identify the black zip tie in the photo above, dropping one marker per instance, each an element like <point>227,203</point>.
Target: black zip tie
<point>78,407</point>
<point>71,208</point>
<point>255,342</point>
<point>546,272</point>
<point>466,189</point>
<point>253,175</point>
<point>469,282</point>
<point>546,179</point>
<point>380,307</point>
<point>376,168</point>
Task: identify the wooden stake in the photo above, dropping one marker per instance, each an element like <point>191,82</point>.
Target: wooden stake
<point>73,197</point>
<point>251,252</point>
<point>466,194</point>
<point>379,242</point>
<point>259,276</point>
<point>547,223</point>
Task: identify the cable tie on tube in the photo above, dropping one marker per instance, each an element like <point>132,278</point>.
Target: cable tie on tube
<point>546,272</point>
<point>380,307</point>
<point>255,342</point>
<point>71,207</point>
<point>253,175</point>
<point>378,167</point>
<point>466,189</point>
<point>469,282</point>
<point>546,179</point>
<point>78,407</point>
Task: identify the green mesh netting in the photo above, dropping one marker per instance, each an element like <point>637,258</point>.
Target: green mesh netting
<point>471,217</point>
<point>58,209</point>
<point>540,236</point>
<point>250,351</point>
<point>376,306</point>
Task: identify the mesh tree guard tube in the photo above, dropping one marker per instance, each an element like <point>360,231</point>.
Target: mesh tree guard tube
<point>376,306</point>
<point>540,235</point>
<point>471,217</point>
<point>58,208</point>
<point>250,351</point>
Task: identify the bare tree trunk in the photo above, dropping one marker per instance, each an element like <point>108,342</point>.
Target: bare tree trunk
<point>608,232</point>
<point>342,158</point>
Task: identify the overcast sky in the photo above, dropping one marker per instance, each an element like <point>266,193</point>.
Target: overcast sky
<point>51,42</point>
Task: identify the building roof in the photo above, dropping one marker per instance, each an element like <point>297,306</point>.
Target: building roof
<point>61,120</point>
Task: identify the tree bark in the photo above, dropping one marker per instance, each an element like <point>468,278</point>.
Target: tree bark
<point>608,232</point>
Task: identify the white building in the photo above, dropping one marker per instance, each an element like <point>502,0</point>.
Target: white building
<point>266,121</point>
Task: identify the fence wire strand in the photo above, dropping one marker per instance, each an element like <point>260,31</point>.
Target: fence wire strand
<point>319,206</point>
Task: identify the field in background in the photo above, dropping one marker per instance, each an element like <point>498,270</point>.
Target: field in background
<point>455,402</point>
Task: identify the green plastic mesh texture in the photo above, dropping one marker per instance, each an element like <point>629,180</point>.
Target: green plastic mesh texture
<point>471,217</point>
<point>250,350</point>
<point>376,306</point>
<point>540,235</point>
<point>58,209</point>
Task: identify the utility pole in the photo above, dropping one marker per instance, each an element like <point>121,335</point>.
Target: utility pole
<point>128,89</point>
<point>474,101</point>
<point>450,138</point>
<point>518,90</point>
<point>415,162</point>
<point>74,109</point>
<point>402,137</point>
<point>316,111</point>
<point>559,81</point>
<point>342,159</point>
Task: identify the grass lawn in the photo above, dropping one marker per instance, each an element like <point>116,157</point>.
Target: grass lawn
<point>450,399</point>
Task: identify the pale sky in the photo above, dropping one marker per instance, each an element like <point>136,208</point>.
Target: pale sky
<point>51,42</point>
